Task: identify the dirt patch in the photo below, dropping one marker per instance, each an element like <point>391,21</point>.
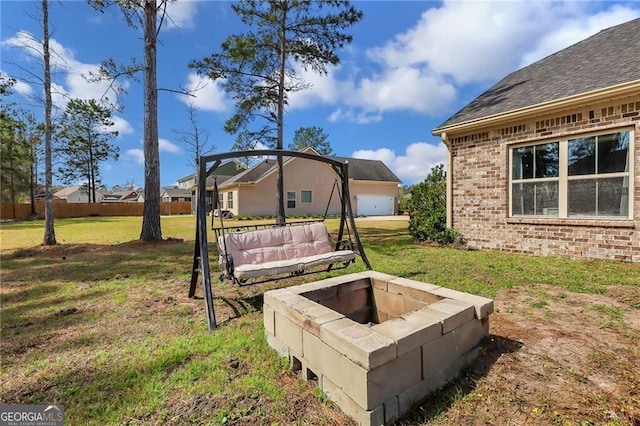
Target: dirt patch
<point>552,357</point>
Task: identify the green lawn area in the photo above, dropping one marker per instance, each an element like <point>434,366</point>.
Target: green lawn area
<point>102,324</point>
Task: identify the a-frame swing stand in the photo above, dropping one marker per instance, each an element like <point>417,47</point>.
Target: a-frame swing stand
<point>200,268</point>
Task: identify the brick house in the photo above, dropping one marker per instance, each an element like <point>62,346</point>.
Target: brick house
<point>547,161</point>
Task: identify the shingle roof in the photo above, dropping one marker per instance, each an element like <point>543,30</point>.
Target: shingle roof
<point>174,191</point>
<point>375,170</point>
<point>359,169</point>
<point>608,58</point>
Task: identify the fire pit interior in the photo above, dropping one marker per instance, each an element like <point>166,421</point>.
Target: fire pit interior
<point>376,343</point>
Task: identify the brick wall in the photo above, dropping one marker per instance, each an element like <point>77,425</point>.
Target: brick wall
<point>480,196</point>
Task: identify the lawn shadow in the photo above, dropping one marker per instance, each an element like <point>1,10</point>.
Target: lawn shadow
<point>492,348</point>
<point>239,306</point>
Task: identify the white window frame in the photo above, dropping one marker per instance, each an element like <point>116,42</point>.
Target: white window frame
<point>294,199</point>
<point>564,178</point>
<point>230,200</point>
<point>310,196</point>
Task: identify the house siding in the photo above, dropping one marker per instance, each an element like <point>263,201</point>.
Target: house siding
<point>479,206</point>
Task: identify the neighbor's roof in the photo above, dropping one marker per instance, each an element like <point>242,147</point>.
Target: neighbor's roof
<point>65,192</point>
<point>359,169</point>
<point>174,191</point>
<point>608,58</point>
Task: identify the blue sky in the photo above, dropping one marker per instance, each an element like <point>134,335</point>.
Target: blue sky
<point>411,65</point>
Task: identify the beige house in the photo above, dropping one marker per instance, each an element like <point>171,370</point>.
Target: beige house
<point>547,161</point>
<point>308,186</point>
<point>76,194</point>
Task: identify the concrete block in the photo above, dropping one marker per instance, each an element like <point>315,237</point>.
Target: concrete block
<point>410,331</point>
<point>321,294</point>
<point>391,410</point>
<point>358,343</point>
<point>362,417</point>
<point>288,333</point>
<point>415,290</point>
<point>390,303</point>
<point>411,304</point>
<point>363,316</point>
<point>415,395</point>
<point>378,276</point>
<point>438,354</point>
<point>455,313</point>
<point>469,335</point>
<point>372,388</point>
<point>483,306</point>
<point>281,300</point>
<point>269,320</point>
<point>355,285</point>
<point>310,315</point>
<point>319,355</point>
<point>281,348</point>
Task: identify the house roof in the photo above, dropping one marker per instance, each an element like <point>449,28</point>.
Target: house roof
<point>606,59</point>
<point>174,191</point>
<point>359,169</point>
<point>65,192</point>
<point>374,170</point>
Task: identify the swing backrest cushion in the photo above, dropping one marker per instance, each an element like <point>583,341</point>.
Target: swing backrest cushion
<point>278,244</point>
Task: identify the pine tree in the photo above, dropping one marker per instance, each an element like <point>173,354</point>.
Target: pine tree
<point>258,66</point>
<point>85,143</point>
<point>313,137</point>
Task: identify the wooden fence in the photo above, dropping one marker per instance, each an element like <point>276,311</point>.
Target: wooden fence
<point>61,210</point>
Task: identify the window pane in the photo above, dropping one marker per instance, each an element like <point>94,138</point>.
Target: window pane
<point>613,152</point>
<point>546,164</point>
<point>582,156</point>
<point>291,200</point>
<point>539,198</point>
<point>582,197</point>
<point>305,196</point>
<point>523,162</point>
<point>613,197</point>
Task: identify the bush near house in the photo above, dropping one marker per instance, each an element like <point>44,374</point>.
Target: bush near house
<point>427,207</point>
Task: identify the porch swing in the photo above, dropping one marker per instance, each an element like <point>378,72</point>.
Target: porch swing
<point>255,254</point>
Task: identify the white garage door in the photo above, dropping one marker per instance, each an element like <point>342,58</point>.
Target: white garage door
<point>374,205</point>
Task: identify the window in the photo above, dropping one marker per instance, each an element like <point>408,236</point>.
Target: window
<point>229,200</point>
<point>306,196</point>
<point>291,200</point>
<point>582,177</point>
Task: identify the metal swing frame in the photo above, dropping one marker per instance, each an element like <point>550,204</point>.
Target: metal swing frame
<point>201,267</point>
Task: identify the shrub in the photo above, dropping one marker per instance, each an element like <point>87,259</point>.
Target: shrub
<point>427,208</point>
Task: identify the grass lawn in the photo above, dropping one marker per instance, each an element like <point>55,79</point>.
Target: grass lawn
<point>102,324</point>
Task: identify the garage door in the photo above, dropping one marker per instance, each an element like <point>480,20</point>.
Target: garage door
<point>374,205</point>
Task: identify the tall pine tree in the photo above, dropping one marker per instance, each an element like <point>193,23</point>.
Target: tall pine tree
<point>85,135</point>
<point>258,66</point>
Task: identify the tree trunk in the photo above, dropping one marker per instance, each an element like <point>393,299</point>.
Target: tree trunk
<point>280,215</point>
<point>92,176</point>
<point>49,231</point>
<point>151,213</point>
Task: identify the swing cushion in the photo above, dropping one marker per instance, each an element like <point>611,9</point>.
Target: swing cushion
<point>282,249</point>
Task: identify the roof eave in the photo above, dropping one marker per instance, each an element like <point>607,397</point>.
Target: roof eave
<point>610,92</point>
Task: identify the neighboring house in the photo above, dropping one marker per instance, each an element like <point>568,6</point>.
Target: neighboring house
<point>228,168</point>
<point>547,161</point>
<point>307,188</point>
<point>76,194</point>
<point>123,196</point>
<point>174,194</point>
<point>225,171</point>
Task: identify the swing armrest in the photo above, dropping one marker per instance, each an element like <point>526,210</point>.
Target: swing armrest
<point>344,245</point>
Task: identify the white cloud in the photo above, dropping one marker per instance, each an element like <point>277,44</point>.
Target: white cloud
<point>576,29</point>
<point>412,167</point>
<point>136,155</point>
<point>208,95</point>
<point>166,146</point>
<point>121,125</point>
<point>73,85</point>
<point>23,88</point>
<point>181,14</point>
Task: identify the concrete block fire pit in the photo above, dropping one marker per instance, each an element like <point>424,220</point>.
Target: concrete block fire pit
<point>376,343</point>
